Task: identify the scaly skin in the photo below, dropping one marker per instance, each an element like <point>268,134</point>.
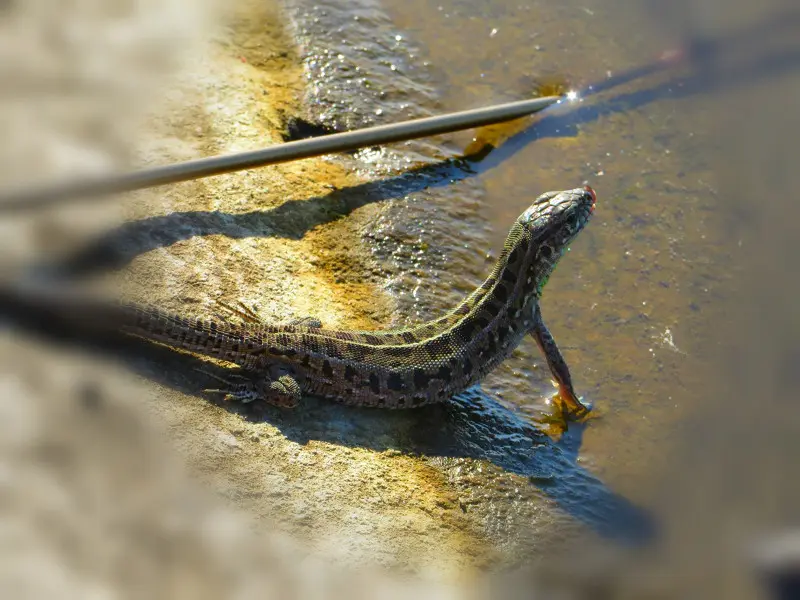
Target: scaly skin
<point>395,368</point>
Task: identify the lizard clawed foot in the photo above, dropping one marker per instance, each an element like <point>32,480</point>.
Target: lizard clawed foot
<point>566,408</point>
<point>571,408</point>
<point>247,314</point>
<point>283,392</point>
<point>244,392</point>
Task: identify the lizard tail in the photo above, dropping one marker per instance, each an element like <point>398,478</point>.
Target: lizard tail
<point>55,310</point>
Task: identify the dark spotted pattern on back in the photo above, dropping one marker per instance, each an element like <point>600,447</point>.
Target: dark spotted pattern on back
<point>395,382</point>
<point>488,284</point>
<point>374,383</point>
<point>327,370</point>
<point>509,276</point>
<point>421,379</point>
<point>444,373</point>
<point>500,294</point>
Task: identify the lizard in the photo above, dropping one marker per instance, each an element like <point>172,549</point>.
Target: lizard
<point>396,368</point>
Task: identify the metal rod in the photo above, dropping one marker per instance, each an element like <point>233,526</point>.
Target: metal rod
<point>339,142</point>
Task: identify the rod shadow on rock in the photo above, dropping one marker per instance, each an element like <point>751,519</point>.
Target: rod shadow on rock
<point>293,219</point>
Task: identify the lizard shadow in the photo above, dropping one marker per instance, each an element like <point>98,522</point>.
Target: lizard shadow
<point>472,425</point>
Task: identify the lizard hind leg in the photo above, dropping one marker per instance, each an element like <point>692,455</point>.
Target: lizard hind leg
<point>284,391</point>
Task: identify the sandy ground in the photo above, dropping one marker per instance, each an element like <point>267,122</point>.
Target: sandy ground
<point>109,465</point>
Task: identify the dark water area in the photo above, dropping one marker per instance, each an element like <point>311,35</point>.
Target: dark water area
<point>637,303</point>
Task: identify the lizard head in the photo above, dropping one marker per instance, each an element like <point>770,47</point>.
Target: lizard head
<point>553,221</point>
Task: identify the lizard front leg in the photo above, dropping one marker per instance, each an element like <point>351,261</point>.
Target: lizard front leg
<point>558,366</point>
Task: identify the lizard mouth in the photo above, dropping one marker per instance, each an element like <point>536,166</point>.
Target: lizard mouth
<point>593,195</point>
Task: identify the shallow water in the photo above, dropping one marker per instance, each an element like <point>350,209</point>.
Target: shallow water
<point>630,305</point>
